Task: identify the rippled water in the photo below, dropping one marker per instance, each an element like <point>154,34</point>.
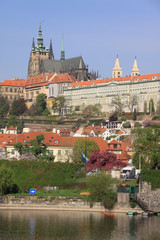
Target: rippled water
<point>69,225</point>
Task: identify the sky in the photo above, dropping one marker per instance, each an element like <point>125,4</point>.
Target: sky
<point>97,30</point>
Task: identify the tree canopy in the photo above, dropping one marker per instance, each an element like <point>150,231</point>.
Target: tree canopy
<point>85,146</point>
<point>18,107</point>
<point>147,147</point>
<point>103,160</point>
<point>4,106</point>
<point>41,103</point>
<point>59,104</point>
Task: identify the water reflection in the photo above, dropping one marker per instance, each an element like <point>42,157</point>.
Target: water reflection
<point>65,225</point>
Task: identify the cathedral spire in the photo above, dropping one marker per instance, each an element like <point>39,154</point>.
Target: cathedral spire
<point>135,69</point>
<point>62,51</point>
<point>40,40</point>
<point>117,70</point>
<point>51,55</point>
<point>33,45</point>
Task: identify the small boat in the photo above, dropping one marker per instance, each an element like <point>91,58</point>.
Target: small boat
<point>132,213</point>
<point>109,214</point>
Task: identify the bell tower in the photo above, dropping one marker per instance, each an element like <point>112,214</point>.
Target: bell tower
<point>117,70</point>
<point>38,54</point>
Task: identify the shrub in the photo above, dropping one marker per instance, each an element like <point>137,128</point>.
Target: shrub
<point>127,124</point>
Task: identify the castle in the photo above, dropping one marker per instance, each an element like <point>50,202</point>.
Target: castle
<point>42,61</point>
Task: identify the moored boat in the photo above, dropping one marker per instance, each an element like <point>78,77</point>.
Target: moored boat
<point>109,214</point>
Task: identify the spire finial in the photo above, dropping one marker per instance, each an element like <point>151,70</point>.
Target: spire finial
<point>51,55</point>
<point>62,51</point>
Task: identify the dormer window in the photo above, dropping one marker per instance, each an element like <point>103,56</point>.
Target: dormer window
<point>56,142</point>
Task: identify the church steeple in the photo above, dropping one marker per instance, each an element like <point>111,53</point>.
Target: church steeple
<point>51,55</point>
<point>33,45</point>
<point>135,69</point>
<point>62,52</point>
<point>40,46</point>
<point>117,70</point>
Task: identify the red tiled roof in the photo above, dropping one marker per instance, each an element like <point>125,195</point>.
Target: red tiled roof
<point>53,139</point>
<point>11,128</point>
<point>16,82</point>
<point>121,79</point>
<point>5,138</point>
<point>39,80</point>
<point>62,78</point>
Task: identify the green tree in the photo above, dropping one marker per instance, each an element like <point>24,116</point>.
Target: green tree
<point>41,103</point>
<point>4,106</point>
<point>147,148</point>
<point>100,188</point>
<point>97,109</point>
<point>18,107</point>
<point>85,146</point>
<point>59,104</point>
<point>88,112</point>
<point>145,107</point>
<point>151,106</point>
<point>127,124</point>
<point>12,121</point>
<point>134,115</point>
<point>6,179</point>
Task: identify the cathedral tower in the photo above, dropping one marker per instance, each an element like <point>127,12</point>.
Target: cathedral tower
<point>135,69</point>
<point>38,54</point>
<point>117,70</point>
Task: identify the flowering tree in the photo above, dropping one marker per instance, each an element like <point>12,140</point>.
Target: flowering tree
<point>104,160</point>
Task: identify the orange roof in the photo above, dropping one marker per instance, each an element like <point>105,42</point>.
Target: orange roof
<point>11,128</point>
<point>95,129</point>
<point>16,82</point>
<point>5,138</point>
<point>65,77</point>
<point>121,79</point>
<point>39,80</point>
<point>53,139</point>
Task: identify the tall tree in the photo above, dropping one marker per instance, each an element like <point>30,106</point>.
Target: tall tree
<point>4,106</point>
<point>41,103</point>
<point>59,104</point>
<point>117,102</point>
<point>151,106</point>
<point>132,102</point>
<point>145,107</point>
<point>85,146</point>
<point>6,179</point>
<point>18,107</point>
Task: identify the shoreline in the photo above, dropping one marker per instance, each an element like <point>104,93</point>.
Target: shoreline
<point>66,208</point>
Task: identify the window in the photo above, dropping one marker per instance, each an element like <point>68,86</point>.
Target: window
<point>66,152</point>
<point>51,152</point>
<point>10,89</point>
<point>115,145</point>
<point>59,152</point>
<point>6,89</point>
<point>13,151</point>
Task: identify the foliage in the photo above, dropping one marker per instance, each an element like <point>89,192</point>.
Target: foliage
<point>97,109</point>
<point>113,117</point>
<point>137,124</point>
<point>85,146</point>
<point>12,121</point>
<point>145,107</point>
<point>151,177</point>
<point>87,112</point>
<point>41,103</point>
<point>132,203</point>
<point>147,148</point>
<point>33,110</point>
<point>147,123</point>
<point>18,107</point>
<point>31,174</point>
<point>6,179</point>
<point>127,124</point>
<point>4,106</point>
<point>156,117</point>
<point>117,102</point>
<point>35,147</point>
<point>59,104</point>
<point>100,188</point>
<point>134,115</point>
<point>104,160</point>
<point>46,112</point>
<point>151,106</point>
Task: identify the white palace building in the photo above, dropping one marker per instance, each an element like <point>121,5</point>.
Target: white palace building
<point>103,91</point>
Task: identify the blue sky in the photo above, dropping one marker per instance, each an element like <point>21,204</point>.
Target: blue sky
<point>97,30</point>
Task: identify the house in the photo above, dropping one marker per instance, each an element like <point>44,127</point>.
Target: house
<point>61,147</point>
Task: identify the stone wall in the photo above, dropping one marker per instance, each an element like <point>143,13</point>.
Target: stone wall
<point>150,198</point>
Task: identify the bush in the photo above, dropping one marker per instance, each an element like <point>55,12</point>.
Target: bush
<point>127,124</point>
<point>137,124</point>
<point>151,177</point>
<point>132,203</point>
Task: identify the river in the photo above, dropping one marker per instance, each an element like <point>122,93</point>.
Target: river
<point>75,225</point>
